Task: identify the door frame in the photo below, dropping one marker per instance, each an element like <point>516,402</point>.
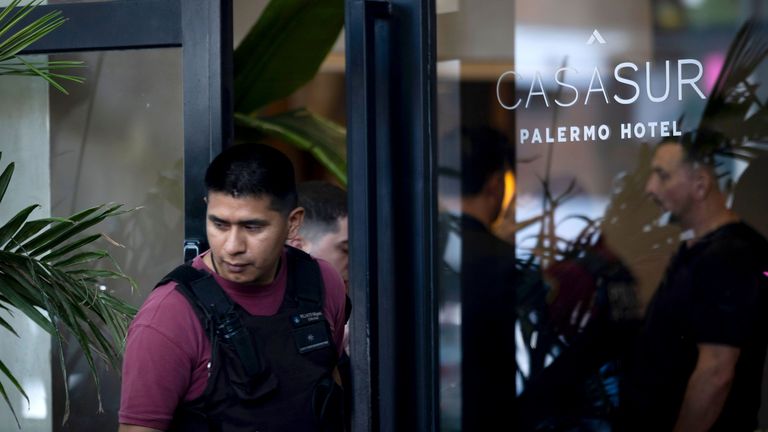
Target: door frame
<point>391,127</point>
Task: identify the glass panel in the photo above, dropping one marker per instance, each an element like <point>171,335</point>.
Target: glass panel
<point>548,114</point>
<point>119,138</point>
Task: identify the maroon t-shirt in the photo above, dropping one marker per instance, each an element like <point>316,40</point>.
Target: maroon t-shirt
<point>167,352</point>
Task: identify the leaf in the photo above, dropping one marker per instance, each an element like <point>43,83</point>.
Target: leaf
<point>28,35</point>
<point>91,274</point>
<point>13,225</point>
<point>65,377</point>
<point>8,326</point>
<point>18,14</point>
<point>58,229</point>
<point>81,258</point>
<point>11,292</point>
<point>4,369</point>
<point>8,9</point>
<point>284,50</point>
<point>32,228</point>
<point>9,375</point>
<point>67,248</point>
<point>322,138</point>
<point>70,231</point>
<point>44,75</point>
<point>11,45</point>
<point>5,179</point>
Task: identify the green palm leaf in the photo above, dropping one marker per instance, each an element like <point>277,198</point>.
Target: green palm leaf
<point>5,178</point>
<point>31,228</point>
<point>13,225</point>
<point>8,327</point>
<point>9,375</point>
<point>284,50</point>
<point>46,274</point>
<point>14,40</point>
<point>322,138</point>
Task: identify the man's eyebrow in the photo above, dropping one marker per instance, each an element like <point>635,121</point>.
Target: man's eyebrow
<point>214,218</point>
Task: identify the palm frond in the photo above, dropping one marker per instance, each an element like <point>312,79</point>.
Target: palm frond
<point>7,373</point>
<point>44,267</point>
<point>14,38</point>
<point>5,178</point>
<point>734,114</point>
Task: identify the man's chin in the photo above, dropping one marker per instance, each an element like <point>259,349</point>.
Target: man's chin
<point>238,276</point>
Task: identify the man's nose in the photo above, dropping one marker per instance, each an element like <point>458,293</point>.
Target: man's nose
<point>650,186</point>
<point>235,242</point>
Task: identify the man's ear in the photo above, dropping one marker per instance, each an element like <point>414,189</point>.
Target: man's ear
<point>495,184</point>
<point>295,219</point>
<point>296,241</point>
<point>703,182</point>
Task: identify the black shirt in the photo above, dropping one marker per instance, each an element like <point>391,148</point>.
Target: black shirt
<point>714,292</point>
<point>485,274</point>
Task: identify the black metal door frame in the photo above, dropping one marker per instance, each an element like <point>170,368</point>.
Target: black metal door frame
<point>203,31</point>
<point>390,55</point>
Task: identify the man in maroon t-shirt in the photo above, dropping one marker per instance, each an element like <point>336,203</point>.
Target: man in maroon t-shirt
<point>251,211</point>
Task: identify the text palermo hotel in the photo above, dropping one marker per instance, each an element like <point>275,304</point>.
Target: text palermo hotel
<point>689,73</point>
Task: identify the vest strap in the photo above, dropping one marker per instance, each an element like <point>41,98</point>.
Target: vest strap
<point>304,276</point>
<point>200,287</point>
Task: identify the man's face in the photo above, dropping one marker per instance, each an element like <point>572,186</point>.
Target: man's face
<point>246,236</point>
<point>671,184</point>
<point>334,248</point>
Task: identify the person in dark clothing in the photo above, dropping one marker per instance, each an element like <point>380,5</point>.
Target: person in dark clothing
<point>247,336</point>
<point>324,234</point>
<point>481,268</point>
<point>699,357</point>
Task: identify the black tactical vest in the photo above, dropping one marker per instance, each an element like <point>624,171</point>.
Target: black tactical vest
<point>267,373</point>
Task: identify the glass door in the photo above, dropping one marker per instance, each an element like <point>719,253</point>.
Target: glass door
<point>119,138</point>
<point>504,250</point>
<point>549,250</point>
<point>155,107</point>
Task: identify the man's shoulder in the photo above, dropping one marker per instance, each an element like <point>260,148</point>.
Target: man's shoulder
<point>737,242</point>
<point>749,238</point>
<point>331,278</point>
<point>163,301</point>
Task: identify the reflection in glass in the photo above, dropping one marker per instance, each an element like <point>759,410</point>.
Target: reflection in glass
<point>118,138</point>
<point>584,91</point>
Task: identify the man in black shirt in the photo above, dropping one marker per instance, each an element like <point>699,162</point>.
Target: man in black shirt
<point>699,359</point>
<point>479,268</point>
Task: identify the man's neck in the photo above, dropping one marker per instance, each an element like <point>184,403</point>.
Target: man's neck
<point>478,209</point>
<point>708,219</point>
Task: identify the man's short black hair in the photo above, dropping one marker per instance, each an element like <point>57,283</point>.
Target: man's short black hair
<point>699,146</point>
<point>254,170</point>
<point>324,204</point>
<point>484,152</point>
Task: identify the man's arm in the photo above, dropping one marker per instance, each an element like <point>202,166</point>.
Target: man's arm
<point>708,387</point>
<point>134,428</point>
